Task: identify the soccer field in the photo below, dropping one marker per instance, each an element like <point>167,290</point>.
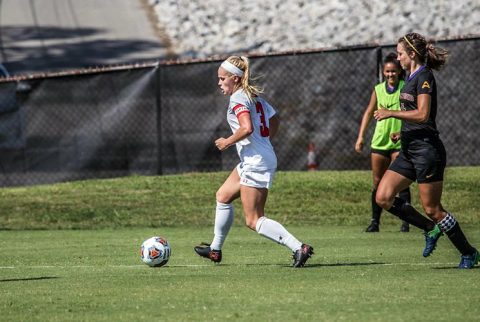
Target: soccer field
<point>97,275</point>
<point>71,252</point>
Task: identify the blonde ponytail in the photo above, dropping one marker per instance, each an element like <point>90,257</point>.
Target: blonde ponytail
<point>247,82</point>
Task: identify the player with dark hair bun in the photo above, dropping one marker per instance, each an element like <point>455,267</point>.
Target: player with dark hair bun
<point>383,150</point>
<point>423,156</point>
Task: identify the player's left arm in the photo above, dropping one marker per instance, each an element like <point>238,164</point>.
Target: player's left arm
<point>273,119</point>
<point>273,124</point>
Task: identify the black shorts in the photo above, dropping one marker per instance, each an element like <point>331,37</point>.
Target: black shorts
<point>385,153</point>
<point>422,160</point>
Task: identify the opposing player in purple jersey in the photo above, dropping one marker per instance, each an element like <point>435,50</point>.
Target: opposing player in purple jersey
<point>422,157</point>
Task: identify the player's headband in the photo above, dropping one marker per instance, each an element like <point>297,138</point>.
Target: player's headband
<point>411,45</point>
<point>229,67</point>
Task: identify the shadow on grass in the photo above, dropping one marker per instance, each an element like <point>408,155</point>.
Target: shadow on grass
<point>322,265</point>
<point>27,279</point>
<point>277,264</point>
<point>344,264</point>
<point>454,267</point>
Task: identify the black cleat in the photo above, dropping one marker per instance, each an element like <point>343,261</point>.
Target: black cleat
<point>204,250</point>
<point>373,228</point>
<point>301,256</point>
<point>405,227</point>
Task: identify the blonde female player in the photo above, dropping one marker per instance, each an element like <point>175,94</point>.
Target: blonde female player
<point>253,122</point>
<point>423,157</point>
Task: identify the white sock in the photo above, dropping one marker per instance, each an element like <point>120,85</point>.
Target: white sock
<point>223,222</point>
<point>275,231</point>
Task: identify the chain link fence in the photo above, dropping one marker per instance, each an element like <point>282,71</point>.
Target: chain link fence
<point>163,118</point>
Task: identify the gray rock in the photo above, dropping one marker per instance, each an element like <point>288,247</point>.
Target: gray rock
<point>211,27</point>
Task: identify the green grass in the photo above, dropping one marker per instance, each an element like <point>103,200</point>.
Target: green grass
<point>70,252</point>
<point>301,198</point>
<point>97,275</point>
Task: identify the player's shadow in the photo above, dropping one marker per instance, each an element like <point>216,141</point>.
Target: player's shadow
<point>339,264</point>
<point>308,265</point>
<point>27,279</point>
<point>453,267</point>
<point>344,264</point>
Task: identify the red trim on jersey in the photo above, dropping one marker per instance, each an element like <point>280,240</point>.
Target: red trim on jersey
<point>239,109</point>
<point>246,111</point>
<point>236,106</point>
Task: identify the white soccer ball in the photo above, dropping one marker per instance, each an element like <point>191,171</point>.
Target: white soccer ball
<point>155,251</point>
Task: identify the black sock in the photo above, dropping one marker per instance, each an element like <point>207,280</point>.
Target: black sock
<point>405,195</point>
<point>406,212</point>
<point>376,209</point>
<point>458,239</point>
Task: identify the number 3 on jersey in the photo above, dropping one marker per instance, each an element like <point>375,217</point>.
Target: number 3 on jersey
<point>264,131</point>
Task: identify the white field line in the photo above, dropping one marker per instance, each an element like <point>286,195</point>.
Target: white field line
<point>94,266</point>
<point>325,265</point>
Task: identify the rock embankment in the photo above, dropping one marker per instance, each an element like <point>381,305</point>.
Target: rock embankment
<point>198,29</point>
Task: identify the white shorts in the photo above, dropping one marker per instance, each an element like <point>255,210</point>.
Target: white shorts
<point>256,179</point>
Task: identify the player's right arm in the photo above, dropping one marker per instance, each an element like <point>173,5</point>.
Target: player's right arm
<point>395,137</point>
<point>244,130</point>
<point>421,114</point>
<point>367,116</point>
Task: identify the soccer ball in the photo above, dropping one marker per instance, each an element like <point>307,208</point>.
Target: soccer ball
<point>155,251</point>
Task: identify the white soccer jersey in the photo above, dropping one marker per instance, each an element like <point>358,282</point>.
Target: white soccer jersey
<point>256,152</point>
